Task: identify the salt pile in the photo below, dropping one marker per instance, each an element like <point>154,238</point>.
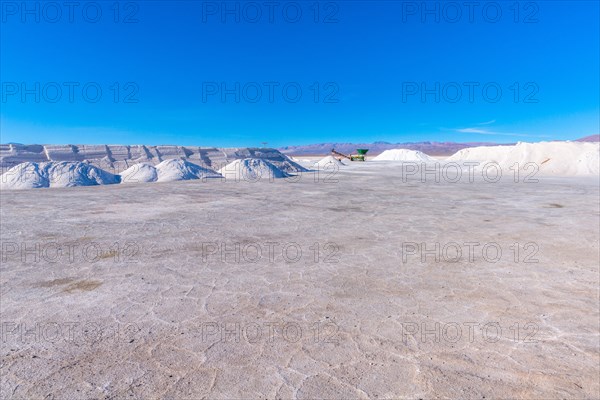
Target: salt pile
<point>27,175</point>
<point>251,169</point>
<point>142,172</point>
<point>328,162</point>
<point>31,175</point>
<point>70,174</point>
<point>182,170</point>
<point>404,155</point>
<point>552,158</point>
<point>179,170</point>
<point>287,165</point>
<point>120,157</point>
<point>482,153</point>
<point>274,157</point>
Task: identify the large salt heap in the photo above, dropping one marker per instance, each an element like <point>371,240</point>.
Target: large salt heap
<point>69,174</point>
<point>252,170</point>
<point>547,158</point>
<point>27,175</point>
<point>482,153</point>
<point>182,170</point>
<point>55,174</point>
<point>404,155</point>
<point>166,171</point>
<point>138,173</point>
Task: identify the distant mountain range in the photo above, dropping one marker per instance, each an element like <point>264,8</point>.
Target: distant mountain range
<point>430,148</point>
<point>592,138</point>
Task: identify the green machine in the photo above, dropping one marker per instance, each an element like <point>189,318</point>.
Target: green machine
<point>354,157</point>
<point>360,156</point>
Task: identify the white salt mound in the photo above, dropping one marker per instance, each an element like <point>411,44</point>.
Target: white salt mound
<point>404,155</point>
<point>142,172</point>
<point>552,158</point>
<point>27,175</point>
<point>70,174</point>
<point>251,169</point>
<point>287,165</point>
<point>31,175</point>
<point>166,171</point>
<point>328,162</point>
<point>182,170</point>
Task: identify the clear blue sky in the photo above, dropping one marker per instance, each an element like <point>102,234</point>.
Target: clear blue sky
<point>370,61</point>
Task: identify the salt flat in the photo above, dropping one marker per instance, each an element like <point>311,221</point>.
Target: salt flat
<point>341,285</point>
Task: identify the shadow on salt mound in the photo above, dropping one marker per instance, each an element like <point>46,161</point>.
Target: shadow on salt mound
<point>56,174</point>
<point>182,170</point>
<point>329,162</point>
<point>142,172</point>
<point>288,166</point>
<point>252,170</point>
<point>69,174</point>
<point>404,155</point>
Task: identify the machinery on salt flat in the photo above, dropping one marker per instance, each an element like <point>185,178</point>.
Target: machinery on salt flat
<point>354,157</point>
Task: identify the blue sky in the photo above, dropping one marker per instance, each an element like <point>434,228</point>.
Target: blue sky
<point>197,73</point>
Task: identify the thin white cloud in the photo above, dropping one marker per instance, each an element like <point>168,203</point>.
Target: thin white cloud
<point>474,130</point>
<point>487,122</point>
<point>480,131</point>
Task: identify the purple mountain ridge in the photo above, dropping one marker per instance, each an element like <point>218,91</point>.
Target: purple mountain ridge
<point>430,148</point>
<point>591,138</point>
<point>375,148</point>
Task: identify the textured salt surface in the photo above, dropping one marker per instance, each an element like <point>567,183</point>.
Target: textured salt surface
<point>148,317</point>
<point>404,155</point>
<point>551,158</point>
